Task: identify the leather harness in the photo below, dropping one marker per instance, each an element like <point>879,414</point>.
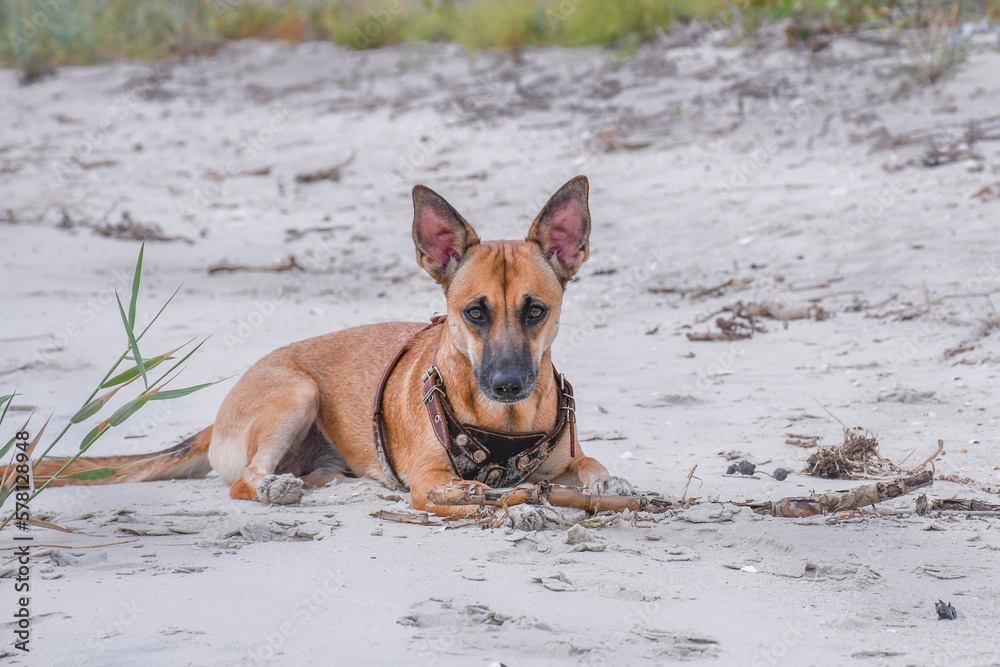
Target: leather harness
<point>495,458</point>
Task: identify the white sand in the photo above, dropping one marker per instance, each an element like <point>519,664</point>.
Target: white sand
<point>788,198</point>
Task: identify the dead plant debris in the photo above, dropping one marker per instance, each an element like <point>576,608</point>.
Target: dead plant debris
<point>294,234</point>
<point>289,265</point>
<point>737,327</point>
<point>781,312</point>
<point>130,230</point>
<point>991,191</point>
<point>554,495</point>
<point>923,507</point>
<point>125,229</point>
<point>743,319</point>
<point>857,457</point>
<point>803,441</point>
<point>844,501</point>
<point>710,292</point>
<point>331,174</point>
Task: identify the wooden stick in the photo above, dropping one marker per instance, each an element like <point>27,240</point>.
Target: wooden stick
<point>70,546</point>
<point>964,504</point>
<point>555,494</point>
<point>842,501</point>
<point>684,494</point>
<point>290,265</point>
<point>717,336</point>
<point>568,496</point>
<point>421,519</point>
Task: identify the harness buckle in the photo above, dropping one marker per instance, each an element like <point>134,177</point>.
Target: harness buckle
<point>430,393</point>
<point>433,370</point>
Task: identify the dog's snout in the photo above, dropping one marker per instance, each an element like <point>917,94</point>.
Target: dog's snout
<point>508,383</point>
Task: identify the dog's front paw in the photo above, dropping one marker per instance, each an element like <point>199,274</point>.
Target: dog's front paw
<point>521,517</point>
<point>613,486</point>
<point>280,489</point>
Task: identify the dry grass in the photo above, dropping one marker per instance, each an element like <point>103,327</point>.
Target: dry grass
<point>36,35</point>
<point>857,457</point>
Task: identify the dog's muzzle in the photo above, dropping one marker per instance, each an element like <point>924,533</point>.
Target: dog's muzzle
<point>507,386</point>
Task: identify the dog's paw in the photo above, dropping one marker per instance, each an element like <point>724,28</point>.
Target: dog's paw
<point>280,489</point>
<point>613,486</point>
<point>521,517</point>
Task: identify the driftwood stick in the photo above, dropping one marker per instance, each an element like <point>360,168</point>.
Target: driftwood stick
<point>964,504</point>
<point>568,496</point>
<point>421,518</point>
<point>842,501</point>
<point>555,494</point>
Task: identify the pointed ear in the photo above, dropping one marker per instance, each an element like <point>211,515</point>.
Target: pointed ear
<point>441,235</point>
<point>562,229</point>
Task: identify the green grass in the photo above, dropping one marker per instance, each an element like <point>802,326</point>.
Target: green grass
<point>18,480</point>
<point>36,34</point>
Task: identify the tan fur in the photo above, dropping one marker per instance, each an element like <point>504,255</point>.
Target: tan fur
<point>329,382</point>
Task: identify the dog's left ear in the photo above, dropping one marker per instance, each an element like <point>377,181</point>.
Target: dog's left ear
<point>441,235</point>
<point>562,229</point>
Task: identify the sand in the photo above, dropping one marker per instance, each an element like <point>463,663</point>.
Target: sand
<point>719,175</point>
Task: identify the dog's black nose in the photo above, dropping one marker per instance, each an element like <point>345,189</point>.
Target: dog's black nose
<point>507,383</point>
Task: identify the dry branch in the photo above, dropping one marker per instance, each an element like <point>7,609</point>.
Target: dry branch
<point>556,495</point>
<point>777,311</point>
<point>553,494</point>
<point>290,265</point>
<point>963,505</point>
<point>708,336</point>
<point>927,307</point>
<point>842,501</point>
<point>421,519</point>
<point>803,441</point>
<point>69,546</point>
<point>330,174</point>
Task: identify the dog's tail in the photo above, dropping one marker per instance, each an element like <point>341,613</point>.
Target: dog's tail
<point>188,460</point>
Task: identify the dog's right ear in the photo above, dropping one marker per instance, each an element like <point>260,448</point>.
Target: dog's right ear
<point>441,235</point>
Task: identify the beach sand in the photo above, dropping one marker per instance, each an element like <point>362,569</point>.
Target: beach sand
<point>719,176</point>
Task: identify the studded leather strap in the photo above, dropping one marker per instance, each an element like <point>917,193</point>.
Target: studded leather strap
<point>496,458</point>
<point>378,419</point>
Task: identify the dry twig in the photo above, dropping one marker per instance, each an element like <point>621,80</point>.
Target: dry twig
<point>289,265</point>
<point>546,493</point>
<point>842,501</point>
<point>553,495</point>
<point>803,441</point>
<point>70,546</point>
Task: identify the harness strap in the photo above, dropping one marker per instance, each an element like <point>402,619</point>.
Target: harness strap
<point>378,418</point>
<point>509,458</point>
<point>514,456</point>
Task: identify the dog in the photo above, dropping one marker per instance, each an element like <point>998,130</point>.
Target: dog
<point>471,397</point>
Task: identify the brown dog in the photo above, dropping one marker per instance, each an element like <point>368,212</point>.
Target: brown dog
<point>473,395</point>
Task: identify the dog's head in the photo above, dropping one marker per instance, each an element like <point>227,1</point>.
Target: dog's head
<point>504,297</point>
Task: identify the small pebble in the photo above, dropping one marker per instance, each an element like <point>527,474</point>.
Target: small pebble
<point>780,474</point>
<point>945,611</point>
<point>745,468</point>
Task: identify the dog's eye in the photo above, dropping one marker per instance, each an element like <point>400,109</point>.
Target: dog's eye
<point>536,313</point>
<point>474,313</point>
